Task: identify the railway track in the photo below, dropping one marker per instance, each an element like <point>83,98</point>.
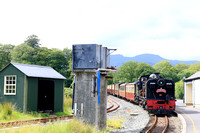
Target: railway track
<point>160,125</point>
<point>112,105</point>
<point>34,121</point>
<point>111,108</point>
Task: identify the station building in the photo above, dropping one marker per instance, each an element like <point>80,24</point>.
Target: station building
<point>32,87</point>
<point>192,90</point>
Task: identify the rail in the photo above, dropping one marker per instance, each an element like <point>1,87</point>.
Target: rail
<point>110,110</point>
<point>158,124</point>
<point>34,121</point>
<point>111,105</point>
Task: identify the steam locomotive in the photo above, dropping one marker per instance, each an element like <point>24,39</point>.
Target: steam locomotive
<point>152,92</point>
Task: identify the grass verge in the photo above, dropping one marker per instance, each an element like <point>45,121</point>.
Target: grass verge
<point>9,113</point>
<point>114,124</point>
<point>72,126</point>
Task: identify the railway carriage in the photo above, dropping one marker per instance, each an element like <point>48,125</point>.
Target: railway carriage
<point>130,91</point>
<point>122,90</point>
<point>116,89</point>
<point>112,89</point>
<point>109,89</point>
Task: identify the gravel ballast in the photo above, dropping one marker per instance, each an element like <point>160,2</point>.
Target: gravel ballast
<point>134,117</point>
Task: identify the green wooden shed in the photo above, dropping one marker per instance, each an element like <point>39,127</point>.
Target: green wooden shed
<point>32,87</point>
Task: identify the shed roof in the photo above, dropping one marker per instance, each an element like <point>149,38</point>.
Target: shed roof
<point>194,76</point>
<point>38,71</point>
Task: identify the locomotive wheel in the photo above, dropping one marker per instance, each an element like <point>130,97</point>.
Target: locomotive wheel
<point>143,104</point>
<point>136,101</point>
<point>145,107</point>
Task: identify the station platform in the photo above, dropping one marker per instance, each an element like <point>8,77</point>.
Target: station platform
<point>191,116</point>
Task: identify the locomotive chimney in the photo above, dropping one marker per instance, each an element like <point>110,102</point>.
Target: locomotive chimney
<point>157,74</point>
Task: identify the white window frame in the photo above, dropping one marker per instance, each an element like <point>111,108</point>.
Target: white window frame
<point>5,84</point>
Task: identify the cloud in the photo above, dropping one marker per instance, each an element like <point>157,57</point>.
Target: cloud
<point>167,28</point>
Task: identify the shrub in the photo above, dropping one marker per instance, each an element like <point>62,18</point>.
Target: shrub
<point>6,111</point>
<point>9,113</point>
<point>179,90</point>
<point>68,92</point>
<point>115,123</point>
<point>67,108</point>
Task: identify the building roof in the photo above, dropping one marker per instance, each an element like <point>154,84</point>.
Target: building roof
<point>38,71</point>
<point>194,76</point>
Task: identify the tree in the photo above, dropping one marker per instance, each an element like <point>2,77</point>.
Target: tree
<point>195,66</point>
<point>57,60</point>
<point>41,57</point>
<point>144,69</point>
<point>115,78</point>
<point>62,62</point>
<point>179,91</point>
<point>162,66</point>
<point>181,66</point>
<point>166,70</point>
<point>22,54</point>
<point>68,57</point>
<point>186,72</point>
<point>191,69</point>
<point>5,54</point>
<point>67,53</point>
<point>32,41</point>
<point>127,72</point>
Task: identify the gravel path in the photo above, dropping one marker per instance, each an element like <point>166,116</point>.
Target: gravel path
<point>135,118</point>
<point>175,125</point>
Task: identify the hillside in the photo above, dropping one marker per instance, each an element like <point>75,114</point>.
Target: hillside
<point>118,60</point>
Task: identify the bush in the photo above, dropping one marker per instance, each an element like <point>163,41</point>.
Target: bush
<point>68,92</point>
<point>9,113</point>
<point>67,108</point>
<point>6,111</point>
<point>115,123</point>
<point>179,90</point>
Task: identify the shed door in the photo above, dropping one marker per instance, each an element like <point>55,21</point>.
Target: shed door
<point>46,95</point>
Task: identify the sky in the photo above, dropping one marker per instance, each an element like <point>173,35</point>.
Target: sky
<point>169,28</point>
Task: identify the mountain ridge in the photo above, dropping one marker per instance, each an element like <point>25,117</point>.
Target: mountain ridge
<point>151,59</point>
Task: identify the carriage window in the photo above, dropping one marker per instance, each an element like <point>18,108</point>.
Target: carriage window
<point>10,85</point>
<point>122,88</point>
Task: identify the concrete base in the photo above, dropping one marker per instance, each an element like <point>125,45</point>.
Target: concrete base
<point>86,105</point>
<point>188,104</point>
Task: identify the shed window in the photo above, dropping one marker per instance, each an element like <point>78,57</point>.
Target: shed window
<point>10,85</point>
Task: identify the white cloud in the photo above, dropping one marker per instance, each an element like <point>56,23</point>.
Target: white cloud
<point>167,28</point>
